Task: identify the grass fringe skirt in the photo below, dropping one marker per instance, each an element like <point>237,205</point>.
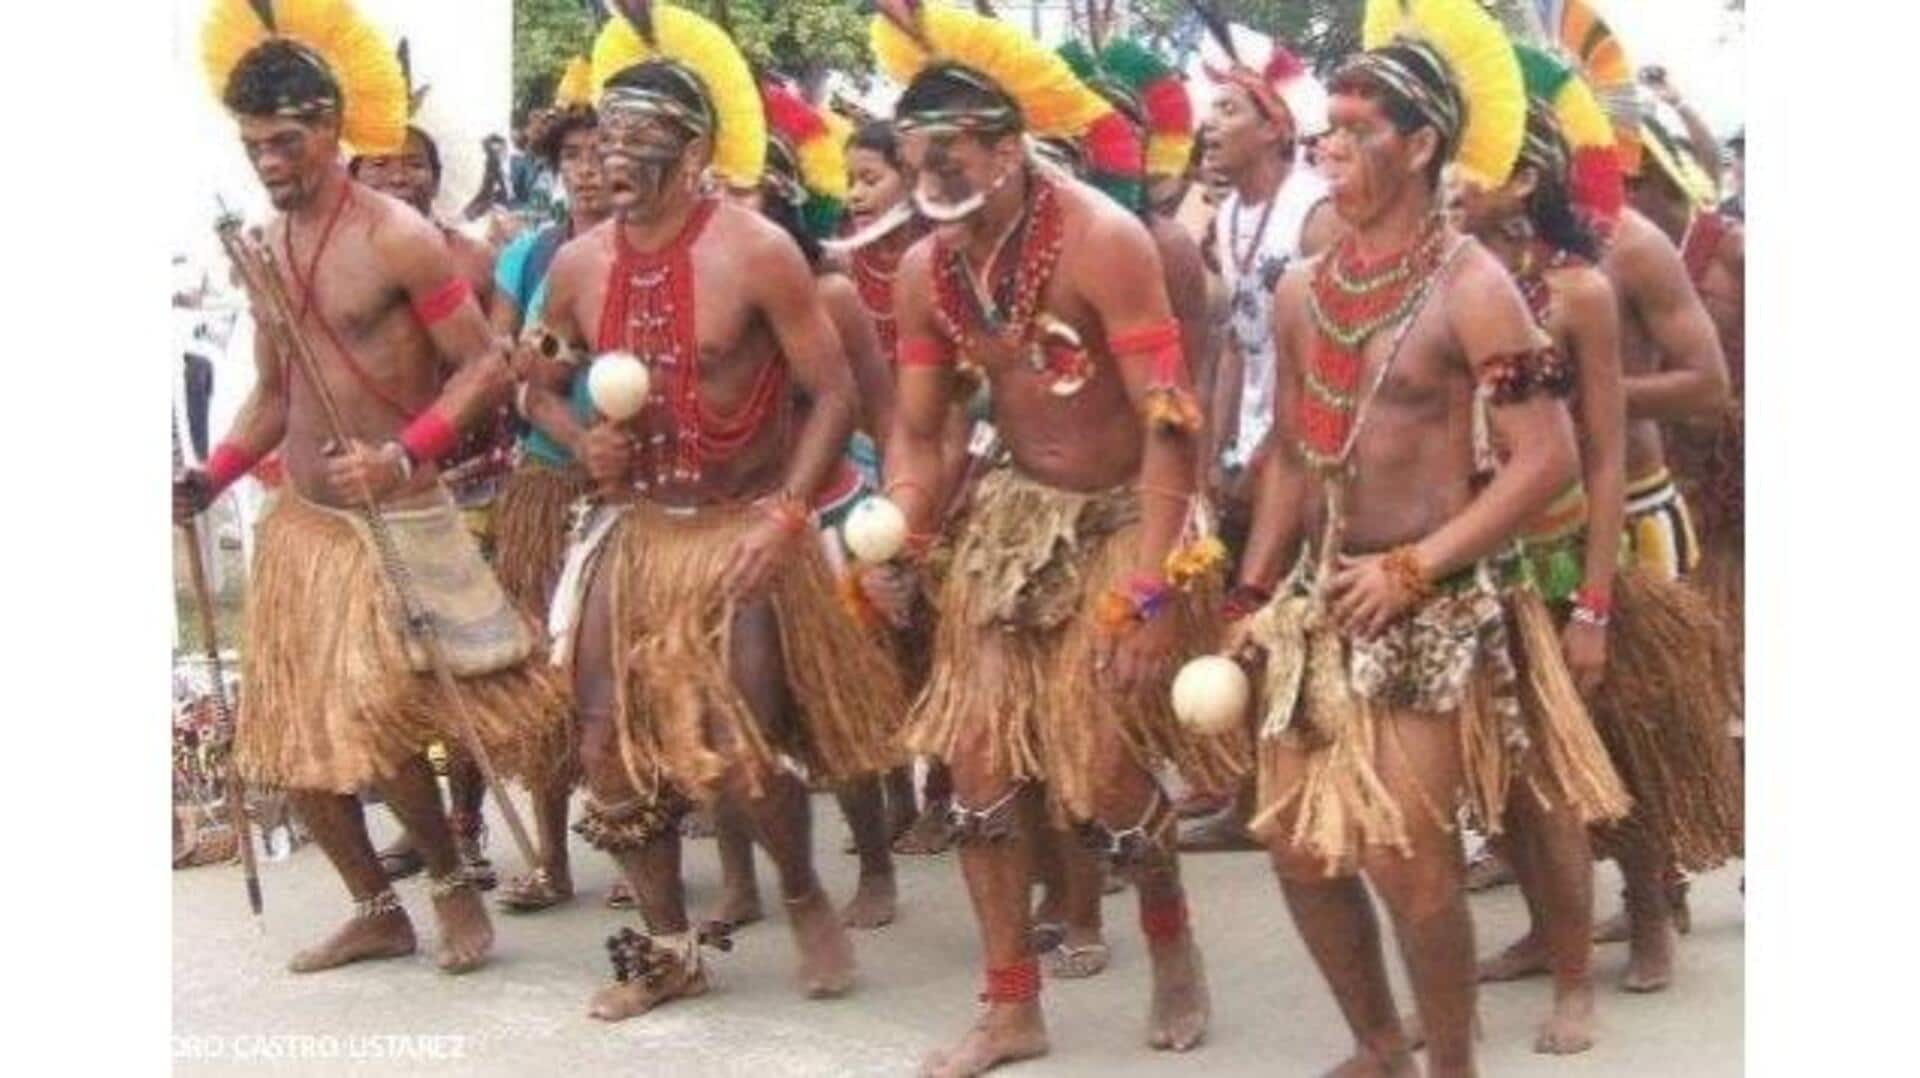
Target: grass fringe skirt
<point>681,720</point>
<point>329,701</point>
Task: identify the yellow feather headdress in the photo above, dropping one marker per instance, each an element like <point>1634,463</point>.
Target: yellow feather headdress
<point>374,99</point>
<point>909,38</point>
<point>660,32</point>
<point>1482,67</point>
<point>1670,155</point>
<point>575,87</point>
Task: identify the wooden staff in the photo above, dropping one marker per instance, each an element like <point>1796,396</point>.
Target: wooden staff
<point>236,789</point>
<point>261,273</point>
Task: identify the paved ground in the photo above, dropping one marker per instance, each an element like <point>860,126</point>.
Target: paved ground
<point>525,1014</point>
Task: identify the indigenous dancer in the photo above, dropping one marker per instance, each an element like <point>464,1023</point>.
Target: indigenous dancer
<point>1674,372</point>
<point>533,513</point>
<point>336,698</point>
<point>1549,243</point>
<point>710,655</point>
<point>472,471</point>
<point>1153,149</point>
<point>804,192</point>
<point>1275,211</point>
<point>884,226</point>
<point>1388,683</point>
<point>1067,596</point>
<point>1710,454</point>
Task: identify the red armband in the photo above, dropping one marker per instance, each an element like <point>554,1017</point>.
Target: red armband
<point>228,463</point>
<point>434,307</point>
<point>1593,599</point>
<point>1160,343</point>
<point>924,352</point>
<point>429,437</point>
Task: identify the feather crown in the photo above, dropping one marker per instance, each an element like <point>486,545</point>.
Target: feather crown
<point>374,98</point>
<point>1479,61</point>
<point>648,32</point>
<point>911,38</point>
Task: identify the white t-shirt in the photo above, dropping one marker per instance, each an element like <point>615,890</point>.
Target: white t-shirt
<point>1266,254</point>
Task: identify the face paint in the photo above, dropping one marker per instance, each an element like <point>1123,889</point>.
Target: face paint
<point>639,154</point>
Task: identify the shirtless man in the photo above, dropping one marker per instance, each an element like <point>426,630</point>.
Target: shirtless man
<point>1122,74</point>
<point>473,470</point>
<point>710,642</point>
<point>1674,372</point>
<point>1058,623</point>
<point>1383,345</point>
<point>1710,452</point>
<point>333,703</point>
<point>1533,226</point>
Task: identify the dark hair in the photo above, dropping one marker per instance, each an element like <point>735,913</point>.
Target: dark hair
<point>949,88</point>
<point>1400,110</point>
<point>668,79</point>
<point>787,216</point>
<point>1550,208</point>
<point>492,192</point>
<point>878,136</point>
<point>565,122</point>
<point>279,76</point>
<point>433,155</point>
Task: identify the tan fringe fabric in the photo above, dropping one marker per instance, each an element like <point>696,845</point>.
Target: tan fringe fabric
<point>1571,759</point>
<point>1013,668</point>
<point>1321,739</point>
<point>682,720</point>
<point>1722,575</point>
<point>1662,712</point>
<point>1339,804</point>
<point>329,701</point>
<point>530,522</point>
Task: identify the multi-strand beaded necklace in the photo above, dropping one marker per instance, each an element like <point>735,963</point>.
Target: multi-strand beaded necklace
<point>649,312</point>
<point>1007,311</point>
<point>1350,299</point>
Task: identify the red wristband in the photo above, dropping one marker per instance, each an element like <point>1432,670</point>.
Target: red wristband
<point>1018,983</point>
<point>429,437</point>
<point>228,463</point>
<point>924,352</point>
<point>437,305</point>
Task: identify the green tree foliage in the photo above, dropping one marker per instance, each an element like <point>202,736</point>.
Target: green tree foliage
<point>802,39</point>
<point>1321,32</point>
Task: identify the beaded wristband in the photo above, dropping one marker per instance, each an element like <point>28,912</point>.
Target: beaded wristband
<point>1597,601</point>
<point>788,511</point>
<point>1245,600</point>
<point>1403,565</point>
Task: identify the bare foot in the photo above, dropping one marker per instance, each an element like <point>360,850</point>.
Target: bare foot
<point>930,833</point>
<point>622,1000</point>
<point>466,936</point>
<point>1080,954</point>
<point>1526,957</point>
<point>1569,1029</point>
<point>826,953</point>
<point>1005,1032</point>
<point>738,907</point>
<point>620,896</point>
<point>1612,930</point>
<point>873,902</point>
<point>1649,958</point>
<point>382,935</point>
<point>1367,1063</point>
<point>1181,1007</point>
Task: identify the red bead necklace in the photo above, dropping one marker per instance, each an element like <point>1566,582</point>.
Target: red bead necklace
<point>1008,314</point>
<point>649,312</point>
<point>1350,299</point>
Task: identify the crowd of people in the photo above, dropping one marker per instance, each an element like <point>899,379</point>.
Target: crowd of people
<point>957,431</point>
